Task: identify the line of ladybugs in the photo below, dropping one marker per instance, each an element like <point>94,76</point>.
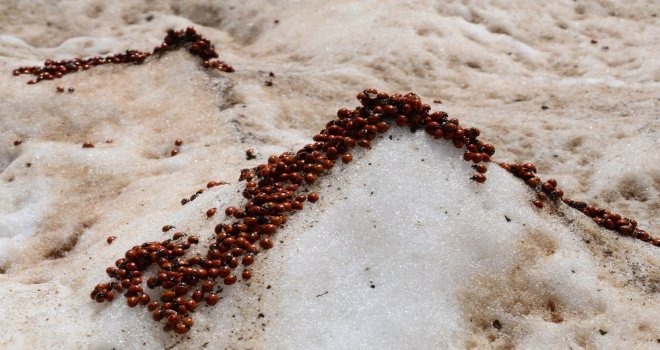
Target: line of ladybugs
<point>548,190</point>
<point>196,44</point>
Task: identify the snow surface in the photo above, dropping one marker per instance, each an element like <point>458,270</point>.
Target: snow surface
<point>569,85</point>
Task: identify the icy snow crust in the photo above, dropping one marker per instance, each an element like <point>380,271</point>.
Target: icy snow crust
<point>571,86</point>
<point>402,251</point>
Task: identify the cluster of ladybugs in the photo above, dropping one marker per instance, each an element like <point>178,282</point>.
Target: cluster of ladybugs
<point>196,44</point>
<point>409,111</point>
<point>544,190</point>
<point>613,221</point>
<point>175,276</point>
<point>273,191</point>
<point>548,190</point>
